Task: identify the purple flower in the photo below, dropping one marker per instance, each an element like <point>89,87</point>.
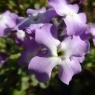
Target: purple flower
<point>86,35</point>
<point>68,54</point>
<point>75,22</point>
<point>7,20</point>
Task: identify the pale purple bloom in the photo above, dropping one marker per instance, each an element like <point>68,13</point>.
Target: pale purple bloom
<point>75,22</point>
<point>7,20</point>
<point>85,35</point>
<point>68,54</point>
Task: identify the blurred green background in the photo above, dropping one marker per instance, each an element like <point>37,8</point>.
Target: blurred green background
<point>15,80</point>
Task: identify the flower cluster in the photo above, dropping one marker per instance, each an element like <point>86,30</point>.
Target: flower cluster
<point>57,36</point>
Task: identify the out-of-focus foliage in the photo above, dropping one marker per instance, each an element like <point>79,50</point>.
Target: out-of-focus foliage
<point>16,80</point>
<point>20,6</point>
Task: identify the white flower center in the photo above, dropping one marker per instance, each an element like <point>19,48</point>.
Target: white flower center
<point>72,14</point>
<point>60,52</point>
<point>69,12</point>
<point>20,34</point>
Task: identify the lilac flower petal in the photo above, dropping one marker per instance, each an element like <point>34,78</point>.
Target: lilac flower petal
<point>19,19</point>
<point>36,12</point>
<point>75,25</point>
<point>68,69</point>
<point>47,17</point>
<point>33,27</point>
<point>85,35</point>
<point>83,17</point>
<point>25,58</point>
<point>80,58</point>
<point>54,31</point>
<point>62,8</point>
<point>30,44</point>
<point>58,6</point>
<point>31,49</point>
<point>74,7</point>
<point>43,36</point>
<point>77,48</point>
<point>42,67</point>
<point>55,2</point>
<point>7,20</point>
